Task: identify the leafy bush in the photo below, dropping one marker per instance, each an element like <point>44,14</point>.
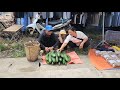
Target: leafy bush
<point>18,50</point>
<point>18,53</point>
<point>2,47</point>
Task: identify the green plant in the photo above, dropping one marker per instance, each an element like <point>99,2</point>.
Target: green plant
<point>17,46</point>
<point>2,47</point>
<point>18,53</point>
<point>18,50</point>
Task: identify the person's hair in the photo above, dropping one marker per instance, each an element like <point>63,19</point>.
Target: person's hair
<point>71,28</point>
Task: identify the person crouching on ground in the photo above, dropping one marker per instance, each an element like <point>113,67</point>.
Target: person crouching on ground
<point>75,39</point>
<point>47,39</point>
<point>62,37</point>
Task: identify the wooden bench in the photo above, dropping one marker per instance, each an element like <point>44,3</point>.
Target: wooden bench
<point>13,28</point>
<point>13,31</point>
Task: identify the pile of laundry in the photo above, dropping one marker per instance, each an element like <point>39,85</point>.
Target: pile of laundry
<point>105,47</point>
<point>110,53</point>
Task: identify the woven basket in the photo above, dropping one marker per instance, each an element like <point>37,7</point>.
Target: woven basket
<point>32,50</point>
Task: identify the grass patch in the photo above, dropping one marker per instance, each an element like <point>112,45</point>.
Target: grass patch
<point>2,47</point>
<point>16,49</point>
<point>18,53</point>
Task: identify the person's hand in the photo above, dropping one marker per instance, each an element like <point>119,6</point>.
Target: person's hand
<point>59,50</point>
<point>81,46</point>
<point>50,48</point>
<point>46,49</point>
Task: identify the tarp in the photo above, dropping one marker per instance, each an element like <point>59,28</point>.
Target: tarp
<point>75,59</point>
<point>97,61</point>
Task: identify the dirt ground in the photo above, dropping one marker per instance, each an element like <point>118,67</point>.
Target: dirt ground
<point>22,68</point>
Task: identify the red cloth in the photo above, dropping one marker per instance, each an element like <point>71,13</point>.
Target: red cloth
<point>75,59</point>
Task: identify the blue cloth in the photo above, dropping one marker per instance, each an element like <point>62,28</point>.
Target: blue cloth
<point>25,20</point>
<point>20,21</point>
<point>30,14</point>
<point>108,19</point>
<point>118,23</point>
<point>103,48</point>
<point>115,19</point>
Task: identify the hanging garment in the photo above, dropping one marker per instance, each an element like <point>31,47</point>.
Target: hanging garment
<point>115,19</point>
<point>68,15</point>
<point>81,16</point>
<point>108,19</point>
<point>73,16</point>
<point>35,15</point>
<point>118,23</point>
<point>30,14</point>
<point>111,16</point>
<point>94,19</point>
<point>75,19</point>
<point>44,15</point>
<point>84,19</point>
<point>25,20</point>
<point>50,14</point>
<point>89,18</point>
<point>100,20</point>
<point>19,17</point>
<point>58,15</point>
<point>64,15</point>
<point>18,21</point>
<point>19,14</point>
<point>97,17</point>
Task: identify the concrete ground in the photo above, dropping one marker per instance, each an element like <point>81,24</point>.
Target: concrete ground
<point>21,68</point>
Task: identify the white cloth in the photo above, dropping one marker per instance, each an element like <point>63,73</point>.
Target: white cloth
<point>118,24</point>
<point>34,14</point>
<point>84,19</point>
<point>81,17</point>
<point>64,15</point>
<point>80,35</point>
<point>44,15</point>
<point>37,16</point>
<point>68,15</point>
<point>20,21</point>
<point>75,18</point>
<point>50,14</point>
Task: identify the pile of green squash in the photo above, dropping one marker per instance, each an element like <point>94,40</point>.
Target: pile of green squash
<point>56,57</point>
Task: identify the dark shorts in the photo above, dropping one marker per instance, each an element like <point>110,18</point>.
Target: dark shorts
<point>73,45</point>
<point>60,44</point>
